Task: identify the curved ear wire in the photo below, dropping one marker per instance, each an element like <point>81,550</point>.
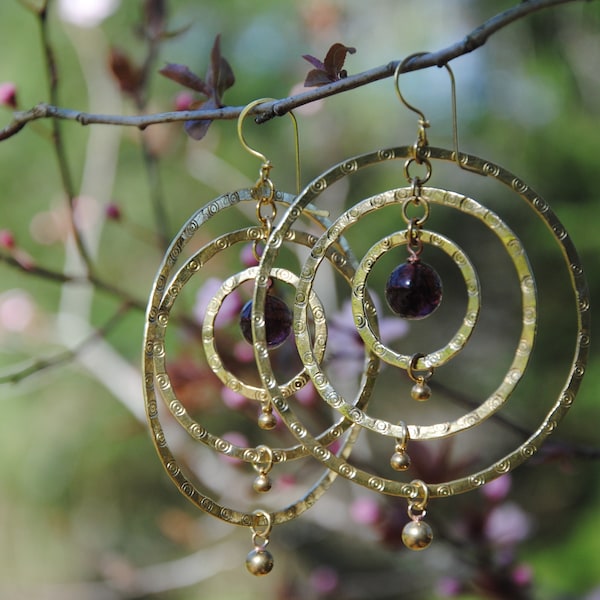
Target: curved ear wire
<point>260,155</point>
<point>423,122</point>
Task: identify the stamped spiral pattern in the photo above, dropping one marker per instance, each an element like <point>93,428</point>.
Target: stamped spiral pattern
<point>174,273</point>
<point>516,370</point>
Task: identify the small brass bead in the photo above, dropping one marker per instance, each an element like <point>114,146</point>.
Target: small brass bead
<point>262,483</point>
<point>267,420</point>
<point>400,461</point>
<point>259,562</point>
<point>417,535</point>
<point>420,392</point>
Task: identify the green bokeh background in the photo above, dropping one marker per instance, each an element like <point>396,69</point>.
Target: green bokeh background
<point>83,497</point>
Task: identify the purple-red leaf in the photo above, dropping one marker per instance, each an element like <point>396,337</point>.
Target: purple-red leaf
<point>129,76</point>
<point>331,69</point>
<point>219,75</point>
<point>182,75</point>
<point>314,61</point>
<point>334,61</point>
<point>198,129</point>
<point>317,77</point>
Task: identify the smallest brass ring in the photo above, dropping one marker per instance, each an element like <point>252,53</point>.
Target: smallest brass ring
<point>402,441</point>
<point>266,528</point>
<point>417,180</point>
<point>416,202</point>
<point>416,503</point>
<point>412,366</point>
<point>258,465</point>
<point>264,199</point>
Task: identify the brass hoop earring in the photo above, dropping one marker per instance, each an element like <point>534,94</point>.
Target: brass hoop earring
<point>417,195</point>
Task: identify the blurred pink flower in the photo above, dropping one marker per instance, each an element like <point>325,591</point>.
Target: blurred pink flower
<point>448,587</point>
<point>8,94</point>
<point>507,525</point>
<point>112,211</point>
<point>7,239</point>
<point>229,309</point>
<point>365,511</point>
<point>243,352</point>
<point>522,575</point>
<point>237,439</point>
<point>183,100</point>
<point>17,310</point>
<point>345,346</point>
<point>307,395</point>
<point>324,580</point>
<point>233,400</point>
<point>498,489</point>
<point>247,255</point>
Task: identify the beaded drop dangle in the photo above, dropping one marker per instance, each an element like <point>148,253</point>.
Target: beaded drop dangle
<point>414,291</point>
<point>183,263</point>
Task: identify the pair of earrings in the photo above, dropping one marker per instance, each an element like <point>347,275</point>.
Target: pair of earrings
<point>413,291</point>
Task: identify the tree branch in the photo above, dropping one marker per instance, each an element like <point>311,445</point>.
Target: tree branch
<point>475,39</point>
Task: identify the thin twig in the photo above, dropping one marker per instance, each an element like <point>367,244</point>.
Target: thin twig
<point>61,155</point>
<point>268,110</point>
<point>66,356</point>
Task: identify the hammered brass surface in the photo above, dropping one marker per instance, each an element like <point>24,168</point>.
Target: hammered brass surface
<point>581,305</point>
<point>457,342</point>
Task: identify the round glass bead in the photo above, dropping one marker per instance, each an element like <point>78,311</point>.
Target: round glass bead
<point>413,290</point>
<point>278,321</point>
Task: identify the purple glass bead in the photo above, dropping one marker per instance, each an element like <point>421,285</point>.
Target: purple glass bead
<point>413,290</point>
<point>278,321</point>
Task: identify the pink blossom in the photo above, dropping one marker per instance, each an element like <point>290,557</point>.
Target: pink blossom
<point>345,346</point>
<point>497,489</point>
<point>184,100</point>
<point>307,395</point>
<point>507,525</point>
<point>522,575</point>
<point>7,239</point>
<point>237,439</point>
<point>247,256</point>
<point>365,511</point>
<point>113,211</point>
<point>448,587</point>
<point>233,400</point>
<point>17,311</point>
<point>243,352</point>
<point>8,94</point>
<point>324,580</point>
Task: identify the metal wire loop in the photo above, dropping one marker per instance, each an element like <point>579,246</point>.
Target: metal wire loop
<point>260,155</point>
<point>419,500</point>
<point>412,367</point>
<point>260,530</point>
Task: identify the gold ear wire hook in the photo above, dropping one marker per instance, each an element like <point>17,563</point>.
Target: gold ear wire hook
<point>397,73</point>
<point>422,120</point>
<point>260,155</point>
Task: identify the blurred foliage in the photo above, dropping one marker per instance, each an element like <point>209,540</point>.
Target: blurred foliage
<point>85,508</point>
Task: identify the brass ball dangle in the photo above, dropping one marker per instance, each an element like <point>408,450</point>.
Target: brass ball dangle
<point>400,460</point>
<point>417,534</point>
<point>420,391</point>
<point>267,420</point>
<point>262,482</point>
<point>259,561</point>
